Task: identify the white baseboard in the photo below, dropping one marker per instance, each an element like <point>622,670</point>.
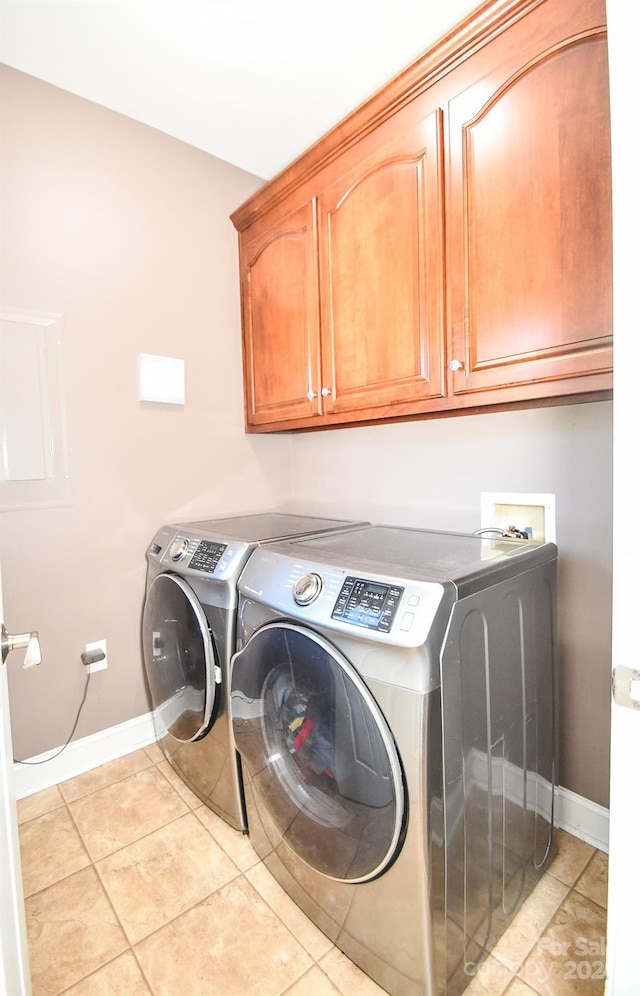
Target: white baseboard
<point>573,813</point>
<point>582,818</point>
<point>46,769</point>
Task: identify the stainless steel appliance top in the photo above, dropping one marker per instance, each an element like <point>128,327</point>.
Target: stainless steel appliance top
<point>217,549</point>
<point>266,526</point>
<point>427,555</point>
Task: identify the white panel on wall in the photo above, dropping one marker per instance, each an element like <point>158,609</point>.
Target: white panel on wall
<point>34,469</point>
<point>161,379</point>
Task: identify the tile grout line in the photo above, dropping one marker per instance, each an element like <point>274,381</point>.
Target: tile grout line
<point>143,836</point>
<point>539,933</point>
<point>572,892</point>
<point>287,928</point>
<point>92,864</point>
<point>100,788</point>
<point>569,889</point>
<point>69,875</point>
<point>591,861</point>
<point>119,922</point>
<point>64,803</point>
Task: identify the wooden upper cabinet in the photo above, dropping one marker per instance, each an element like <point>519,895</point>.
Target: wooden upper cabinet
<point>529,230</point>
<point>447,246</point>
<point>381,270</point>
<point>279,284</point>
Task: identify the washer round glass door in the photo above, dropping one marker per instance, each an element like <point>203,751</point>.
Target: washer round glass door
<point>179,659</point>
<point>320,757</point>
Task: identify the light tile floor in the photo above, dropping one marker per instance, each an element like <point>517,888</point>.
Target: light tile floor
<point>133,887</point>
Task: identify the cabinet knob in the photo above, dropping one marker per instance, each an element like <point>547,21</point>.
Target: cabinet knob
<point>456,365</point>
<point>325,392</point>
<point>311,395</point>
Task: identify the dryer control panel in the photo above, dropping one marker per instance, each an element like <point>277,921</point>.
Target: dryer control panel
<point>197,556</point>
<point>207,556</point>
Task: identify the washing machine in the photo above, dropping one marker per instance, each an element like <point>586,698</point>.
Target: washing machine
<point>188,633</point>
<point>392,702</point>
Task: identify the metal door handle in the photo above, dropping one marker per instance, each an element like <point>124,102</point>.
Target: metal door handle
<point>325,392</point>
<point>21,641</point>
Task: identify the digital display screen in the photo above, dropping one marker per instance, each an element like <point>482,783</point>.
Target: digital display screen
<point>376,590</point>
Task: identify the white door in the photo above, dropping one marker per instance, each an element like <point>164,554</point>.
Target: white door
<point>14,962</point>
<point>623,961</point>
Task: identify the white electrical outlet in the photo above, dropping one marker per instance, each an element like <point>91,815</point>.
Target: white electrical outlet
<point>99,665</point>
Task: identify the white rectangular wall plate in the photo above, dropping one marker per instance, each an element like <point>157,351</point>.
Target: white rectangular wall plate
<point>161,379</point>
<point>524,510</point>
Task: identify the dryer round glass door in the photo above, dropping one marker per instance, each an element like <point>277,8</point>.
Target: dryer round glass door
<point>179,659</point>
<point>318,753</point>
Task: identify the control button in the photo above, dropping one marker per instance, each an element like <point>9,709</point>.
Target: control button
<point>407,621</point>
<point>413,600</point>
<point>307,588</point>
<point>178,548</point>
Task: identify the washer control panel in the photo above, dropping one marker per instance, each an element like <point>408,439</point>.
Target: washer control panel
<point>367,603</point>
<point>394,611</point>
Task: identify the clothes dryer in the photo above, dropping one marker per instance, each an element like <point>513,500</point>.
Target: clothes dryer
<point>188,634</point>
<point>392,702</point>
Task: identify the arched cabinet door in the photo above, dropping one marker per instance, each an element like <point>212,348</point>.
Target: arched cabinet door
<point>317,751</point>
<point>380,234</point>
<point>179,658</point>
<point>279,276</point>
<point>529,209</point>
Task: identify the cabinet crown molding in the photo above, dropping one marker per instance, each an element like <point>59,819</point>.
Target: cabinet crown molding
<point>461,41</point>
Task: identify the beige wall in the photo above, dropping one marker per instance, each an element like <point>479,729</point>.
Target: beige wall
<point>431,473</point>
<point>125,232</point>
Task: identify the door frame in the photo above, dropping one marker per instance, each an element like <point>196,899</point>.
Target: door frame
<point>15,976</point>
<point>623,964</point>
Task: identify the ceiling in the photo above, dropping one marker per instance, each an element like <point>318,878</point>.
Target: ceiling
<point>254,82</point>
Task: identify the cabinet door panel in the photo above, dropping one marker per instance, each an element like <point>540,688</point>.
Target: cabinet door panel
<point>280,321</point>
<point>380,229</point>
<point>530,260</point>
